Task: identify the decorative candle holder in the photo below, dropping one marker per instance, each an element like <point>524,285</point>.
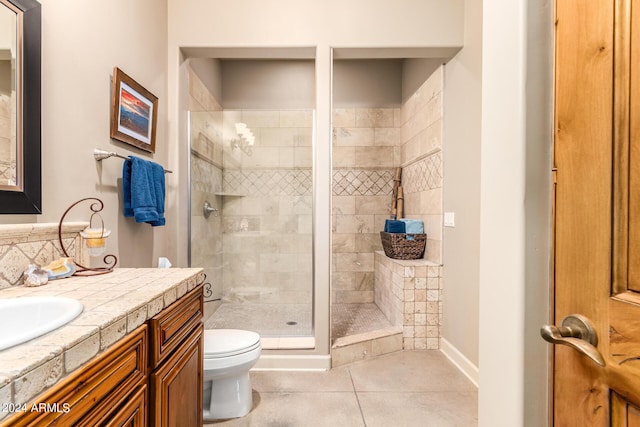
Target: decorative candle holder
<point>94,240</point>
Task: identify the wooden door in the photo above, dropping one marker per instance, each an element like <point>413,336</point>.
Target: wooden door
<point>597,208</point>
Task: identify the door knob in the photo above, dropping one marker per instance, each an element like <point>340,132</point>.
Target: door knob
<point>575,331</point>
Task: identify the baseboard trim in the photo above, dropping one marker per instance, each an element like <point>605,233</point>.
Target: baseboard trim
<point>280,362</point>
<point>462,363</point>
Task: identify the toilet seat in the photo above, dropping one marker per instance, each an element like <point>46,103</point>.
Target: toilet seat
<point>220,343</point>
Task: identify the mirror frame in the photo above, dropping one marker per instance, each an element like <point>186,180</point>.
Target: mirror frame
<point>29,200</point>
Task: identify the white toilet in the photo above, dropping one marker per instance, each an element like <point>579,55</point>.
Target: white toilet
<point>228,356</point>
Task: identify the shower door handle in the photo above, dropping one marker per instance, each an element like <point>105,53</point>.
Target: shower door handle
<point>575,331</point>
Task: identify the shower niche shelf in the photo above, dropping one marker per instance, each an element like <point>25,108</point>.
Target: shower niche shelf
<point>224,194</point>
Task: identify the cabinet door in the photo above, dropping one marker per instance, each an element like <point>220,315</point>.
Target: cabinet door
<point>176,385</point>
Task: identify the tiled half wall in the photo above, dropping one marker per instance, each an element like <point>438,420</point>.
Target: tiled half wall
<point>409,293</point>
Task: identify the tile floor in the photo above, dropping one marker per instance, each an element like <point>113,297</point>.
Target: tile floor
<point>402,389</point>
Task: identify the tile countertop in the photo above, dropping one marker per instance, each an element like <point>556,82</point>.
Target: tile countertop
<point>114,305</point>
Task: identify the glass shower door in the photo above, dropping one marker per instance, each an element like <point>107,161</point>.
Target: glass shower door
<point>260,259</point>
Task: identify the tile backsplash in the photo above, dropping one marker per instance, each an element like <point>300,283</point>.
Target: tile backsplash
<point>24,244</point>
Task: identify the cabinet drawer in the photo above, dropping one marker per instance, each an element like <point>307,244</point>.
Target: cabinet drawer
<point>174,324</point>
<point>119,409</point>
<point>113,374</point>
<point>133,414</point>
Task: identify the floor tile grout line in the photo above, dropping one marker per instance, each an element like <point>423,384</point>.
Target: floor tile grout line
<point>355,391</point>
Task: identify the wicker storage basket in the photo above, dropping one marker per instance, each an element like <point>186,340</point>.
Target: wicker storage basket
<point>396,245</point>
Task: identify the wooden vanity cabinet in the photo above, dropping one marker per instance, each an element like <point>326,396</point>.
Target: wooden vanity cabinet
<point>151,377</point>
<point>176,352</point>
<point>96,394</point>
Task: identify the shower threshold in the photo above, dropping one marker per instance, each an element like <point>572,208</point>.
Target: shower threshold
<point>361,331</point>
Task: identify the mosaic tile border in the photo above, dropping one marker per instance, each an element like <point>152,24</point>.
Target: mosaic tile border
<point>362,182</point>
<point>268,182</point>
<point>423,175</point>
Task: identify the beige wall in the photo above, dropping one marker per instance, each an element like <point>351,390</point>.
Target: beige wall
<point>461,249</point>
<point>373,83</point>
<point>538,195</point>
<point>284,23</point>
<point>415,71</point>
<point>80,47</point>
<point>209,72</point>
<point>268,84</point>
<point>515,185</point>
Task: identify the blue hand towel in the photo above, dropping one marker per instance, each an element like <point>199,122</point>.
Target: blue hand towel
<point>143,190</point>
<point>413,226</point>
<point>394,226</point>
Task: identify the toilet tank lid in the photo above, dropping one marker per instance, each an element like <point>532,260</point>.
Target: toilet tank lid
<point>218,341</point>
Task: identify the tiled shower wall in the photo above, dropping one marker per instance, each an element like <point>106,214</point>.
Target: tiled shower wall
<point>206,181</point>
<point>368,143</point>
<point>259,246</point>
<point>410,292</point>
<point>366,148</point>
<point>267,212</point>
<point>422,161</point>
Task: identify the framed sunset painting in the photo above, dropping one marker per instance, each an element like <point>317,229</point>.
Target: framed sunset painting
<point>134,112</point>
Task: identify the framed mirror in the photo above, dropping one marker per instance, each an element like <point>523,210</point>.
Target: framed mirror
<point>20,89</point>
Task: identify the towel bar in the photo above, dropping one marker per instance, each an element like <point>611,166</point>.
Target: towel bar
<point>100,155</point>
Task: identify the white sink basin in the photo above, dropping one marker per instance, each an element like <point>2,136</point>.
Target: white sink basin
<point>25,318</point>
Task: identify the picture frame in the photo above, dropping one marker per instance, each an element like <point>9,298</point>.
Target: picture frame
<point>134,112</point>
